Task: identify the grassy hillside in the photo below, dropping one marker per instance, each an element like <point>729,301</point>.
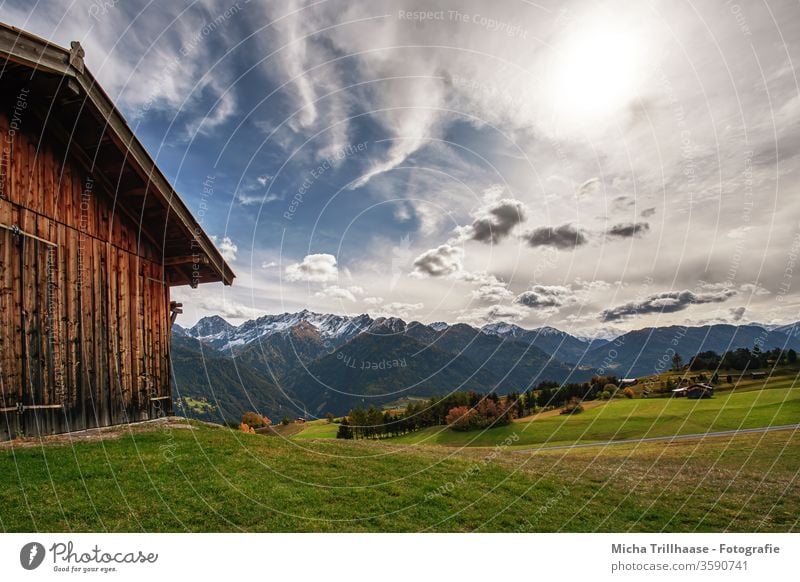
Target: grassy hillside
<point>318,429</point>
<point>622,419</point>
<point>211,479</point>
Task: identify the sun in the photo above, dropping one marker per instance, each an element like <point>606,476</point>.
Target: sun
<point>597,71</point>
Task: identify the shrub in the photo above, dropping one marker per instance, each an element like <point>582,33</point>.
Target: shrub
<point>247,428</point>
<point>629,393</point>
<point>572,407</point>
<point>255,420</point>
<point>461,418</point>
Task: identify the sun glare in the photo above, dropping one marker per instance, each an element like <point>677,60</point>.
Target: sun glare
<point>596,72</point>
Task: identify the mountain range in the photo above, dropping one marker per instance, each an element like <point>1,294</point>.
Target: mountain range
<point>309,363</point>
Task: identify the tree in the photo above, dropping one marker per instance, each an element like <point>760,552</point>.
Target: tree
<point>574,406</point>
<point>255,420</point>
<point>729,379</point>
<point>791,356</point>
<point>677,362</point>
<point>344,432</point>
<point>460,418</point>
<point>329,417</point>
<point>758,356</point>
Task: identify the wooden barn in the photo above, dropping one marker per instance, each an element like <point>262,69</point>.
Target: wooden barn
<point>92,237</point>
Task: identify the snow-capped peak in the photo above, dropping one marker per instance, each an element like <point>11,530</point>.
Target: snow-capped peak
<point>211,326</point>
<point>502,328</point>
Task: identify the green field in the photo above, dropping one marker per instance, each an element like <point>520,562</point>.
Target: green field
<point>174,478</point>
<point>318,429</point>
<point>180,476</point>
<point>622,419</point>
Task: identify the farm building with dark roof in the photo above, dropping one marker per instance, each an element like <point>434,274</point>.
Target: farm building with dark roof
<point>92,237</point>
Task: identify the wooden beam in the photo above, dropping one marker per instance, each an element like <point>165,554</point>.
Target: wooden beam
<point>186,260</point>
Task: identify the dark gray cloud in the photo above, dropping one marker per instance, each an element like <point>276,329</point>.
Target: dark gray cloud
<point>666,302</point>
<point>629,229</point>
<point>647,212</point>
<point>565,236</point>
<point>544,296</point>
<point>439,262</point>
<point>498,221</point>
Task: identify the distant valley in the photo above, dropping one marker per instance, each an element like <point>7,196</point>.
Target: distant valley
<point>307,364</point>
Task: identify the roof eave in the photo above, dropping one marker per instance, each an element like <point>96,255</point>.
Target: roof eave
<point>35,52</point>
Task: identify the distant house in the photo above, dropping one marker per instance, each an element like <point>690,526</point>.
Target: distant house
<point>694,391</point>
<point>300,420</point>
<point>625,382</point>
<point>758,375</point>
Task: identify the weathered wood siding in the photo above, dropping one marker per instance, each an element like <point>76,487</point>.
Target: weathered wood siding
<point>84,324</point>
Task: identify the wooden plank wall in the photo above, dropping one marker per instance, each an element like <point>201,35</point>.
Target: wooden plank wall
<point>84,325</point>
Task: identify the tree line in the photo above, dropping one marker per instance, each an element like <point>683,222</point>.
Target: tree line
<point>465,410</point>
<point>742,359</point>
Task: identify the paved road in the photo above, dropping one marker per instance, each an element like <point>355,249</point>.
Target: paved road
<point>682,437</point>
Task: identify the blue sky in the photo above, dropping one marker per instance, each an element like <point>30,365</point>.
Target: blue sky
<point>586,165</point>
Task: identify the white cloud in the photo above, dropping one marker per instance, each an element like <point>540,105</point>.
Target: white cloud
<point>226,247</point>
<point>753,289</point>
<point>336,292</point>
<point>492,291</point>
<point>317,268</point>
<point>439,262</point>
<point>493,313</point>
<point>545,296</point>
<point>399,309</point>
<point>248,199</point>
<point>215,303</point>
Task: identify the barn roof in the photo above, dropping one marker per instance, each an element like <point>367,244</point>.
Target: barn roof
<point>75,109</point>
